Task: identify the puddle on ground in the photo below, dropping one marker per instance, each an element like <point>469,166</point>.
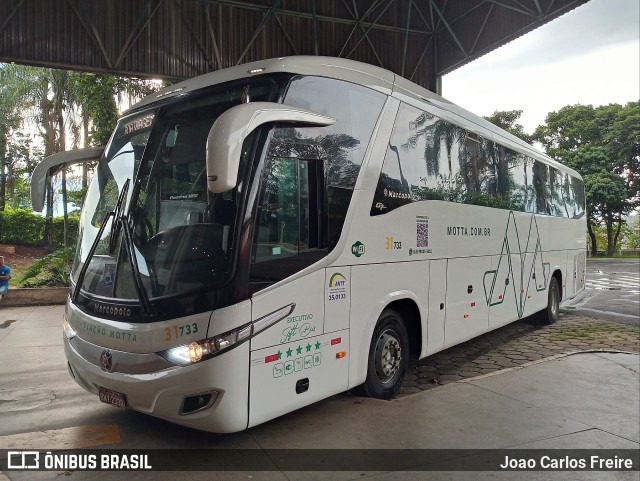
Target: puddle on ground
<point>7,323</point>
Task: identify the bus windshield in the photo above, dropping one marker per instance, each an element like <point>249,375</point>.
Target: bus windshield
<point>149,227</point>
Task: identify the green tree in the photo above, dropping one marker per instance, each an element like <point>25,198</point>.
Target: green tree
<point>21,197</point>
<point>633,239</point>
<point>623,142</point>
<point>603,144</point>
<point>507,120</point>
<point>16,89</point>
<point>67,106</point>
<point>98,96</point>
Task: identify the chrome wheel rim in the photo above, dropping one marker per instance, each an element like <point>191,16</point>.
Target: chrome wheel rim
<point>388,356</point>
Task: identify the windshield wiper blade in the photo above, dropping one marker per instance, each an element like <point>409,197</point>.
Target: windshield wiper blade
<point>115,229</point>
<point>119,222</point>
<point>140,290</point>
<point>137,279</point>
<point>96,241</point>
<point>92,251</point>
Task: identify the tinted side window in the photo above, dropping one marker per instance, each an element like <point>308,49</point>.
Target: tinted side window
<point>556,199</point>
<point>541,188</point>
<point>522,196</point>
<point>283,224</point>
<point>290,219</point>
<point>422,161</point>
<point>356,110</point>
<point>480,170</point>
<point>429,158</point>
<point>404,172</point>
<point>342,145</point>
<point>577,187</point>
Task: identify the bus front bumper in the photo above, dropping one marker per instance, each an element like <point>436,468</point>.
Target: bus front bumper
<point>171,393</point>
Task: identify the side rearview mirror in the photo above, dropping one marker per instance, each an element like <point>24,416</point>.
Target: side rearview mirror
<point>224,143</point>
<point>50,165</point>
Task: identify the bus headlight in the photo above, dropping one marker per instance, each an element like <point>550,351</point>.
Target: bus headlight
<point>204,349</point>
<point>195,352</point>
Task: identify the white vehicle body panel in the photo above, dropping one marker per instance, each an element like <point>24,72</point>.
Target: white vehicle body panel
<point>465,268</point>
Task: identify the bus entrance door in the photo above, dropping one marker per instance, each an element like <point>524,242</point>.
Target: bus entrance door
<point>294,362</point>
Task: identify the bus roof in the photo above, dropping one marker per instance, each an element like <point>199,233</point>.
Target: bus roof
<point>361,73</point>
<point>338,68</point>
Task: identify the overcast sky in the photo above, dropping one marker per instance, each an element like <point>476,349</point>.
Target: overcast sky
<point>590,55</point>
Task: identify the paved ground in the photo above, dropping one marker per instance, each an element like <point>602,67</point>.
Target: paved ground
<point>612,290</point>
<point>584,401</point>
<point>514,345</point>
<point>517,344</point>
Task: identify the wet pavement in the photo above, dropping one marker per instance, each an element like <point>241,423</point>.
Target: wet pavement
<point>511,389</point>
<point>517,344</point>
<point>612,291</point>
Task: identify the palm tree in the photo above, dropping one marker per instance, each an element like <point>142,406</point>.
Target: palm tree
<point>16,88</point>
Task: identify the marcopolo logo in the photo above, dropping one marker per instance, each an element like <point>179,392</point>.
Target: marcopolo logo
<point>101,308</point>
<point>357,249</point>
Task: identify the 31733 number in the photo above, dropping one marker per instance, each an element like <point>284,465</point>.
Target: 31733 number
<point>175,332</point>
<point>390,244</point>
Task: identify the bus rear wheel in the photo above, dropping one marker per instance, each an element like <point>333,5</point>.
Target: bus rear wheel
<point>388,357</point>
<point>552,312</point>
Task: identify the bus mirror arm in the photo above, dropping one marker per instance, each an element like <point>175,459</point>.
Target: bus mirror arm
<point>50,164</point>
<point>225,139</point>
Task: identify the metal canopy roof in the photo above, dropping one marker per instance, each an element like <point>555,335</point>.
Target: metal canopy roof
<point>418,39</point>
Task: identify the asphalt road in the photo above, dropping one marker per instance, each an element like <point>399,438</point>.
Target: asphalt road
<point>612,291</point>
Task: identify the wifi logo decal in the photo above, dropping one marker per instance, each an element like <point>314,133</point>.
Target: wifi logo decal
<point>521,269</point>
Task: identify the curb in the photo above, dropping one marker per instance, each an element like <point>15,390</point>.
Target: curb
<point>35,297</point>
<point>546,359</point>
<point>515,368</point>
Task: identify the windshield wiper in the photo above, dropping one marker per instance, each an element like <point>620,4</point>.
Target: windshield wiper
<point>92,251</point>
<point>140,290</point>
<point>120,222</point>
<point>115,229</point>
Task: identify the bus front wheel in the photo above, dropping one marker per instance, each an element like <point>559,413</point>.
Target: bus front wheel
<point>388,357</point>
<point>552,312</point>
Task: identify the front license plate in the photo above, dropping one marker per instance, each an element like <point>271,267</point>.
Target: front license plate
<point>112,397</point>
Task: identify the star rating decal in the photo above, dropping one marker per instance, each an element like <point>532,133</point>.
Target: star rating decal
<point>306,348</point>
<point>299,350</point>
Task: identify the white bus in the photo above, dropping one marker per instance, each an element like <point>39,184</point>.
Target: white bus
<point>262,237</point>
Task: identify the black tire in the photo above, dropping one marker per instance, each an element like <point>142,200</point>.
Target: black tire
<point>552,311</point>
<point>388,357</point>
